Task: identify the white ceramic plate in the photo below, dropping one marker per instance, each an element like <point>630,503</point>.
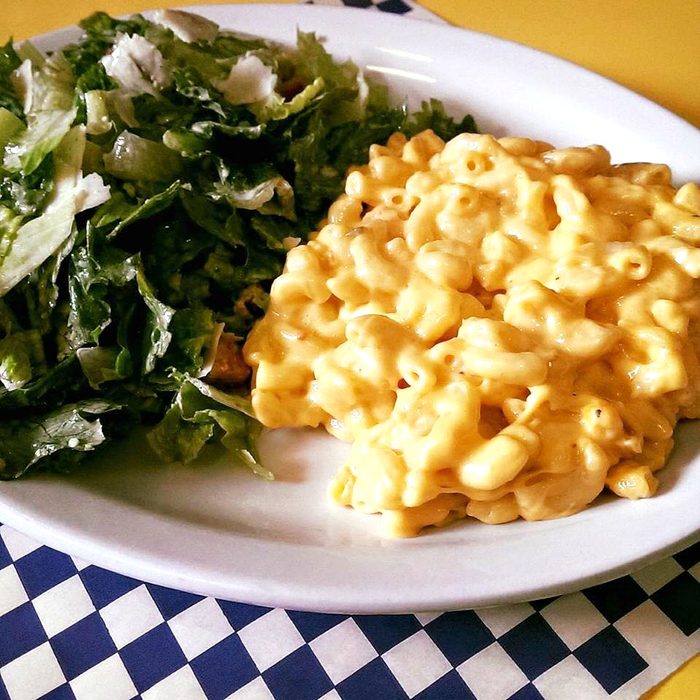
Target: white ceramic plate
<point>215,530</point>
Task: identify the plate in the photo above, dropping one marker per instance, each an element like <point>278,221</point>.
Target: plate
<point>216,530</point>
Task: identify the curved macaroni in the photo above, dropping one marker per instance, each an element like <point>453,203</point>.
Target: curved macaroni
<point>502,329</point>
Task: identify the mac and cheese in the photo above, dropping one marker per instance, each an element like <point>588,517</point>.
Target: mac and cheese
<point>501,328</point>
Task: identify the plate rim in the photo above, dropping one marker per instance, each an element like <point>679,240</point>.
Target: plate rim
<point>326,600</point>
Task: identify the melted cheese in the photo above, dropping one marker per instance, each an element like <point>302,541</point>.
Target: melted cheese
<point>501,329</point>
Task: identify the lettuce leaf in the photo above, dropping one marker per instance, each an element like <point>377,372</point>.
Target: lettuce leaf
<point>40,439</point>
<point>9,62</point>
<point>120,213</point>
<point>10,126</point>
<point>35,242</point>
<point>194,418</point>
<point>25,153</point>
<point>49,389</point>
<point>135,158</point>
<point>100,364</point>
<point>19,353</point>
<point>432,115</point>
<point>42,237</point>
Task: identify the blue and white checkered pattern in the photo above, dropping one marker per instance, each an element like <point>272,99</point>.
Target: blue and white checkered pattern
<point>408,8</point>
<point>72,630</point>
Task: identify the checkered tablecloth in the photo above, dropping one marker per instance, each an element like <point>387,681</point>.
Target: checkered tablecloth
<point>72,630</point>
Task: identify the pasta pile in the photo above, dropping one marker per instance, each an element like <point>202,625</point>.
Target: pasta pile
<point>501,328</point>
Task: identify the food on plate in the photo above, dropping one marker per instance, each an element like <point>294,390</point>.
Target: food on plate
<point>501,328</point>
<point>152,176</point>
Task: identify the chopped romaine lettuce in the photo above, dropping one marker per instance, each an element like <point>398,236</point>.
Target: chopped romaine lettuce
<point>152,177</point>
<point>25,153</point>
<point>10,125</point>
<point>9,63</point>
<point>20,353</point>
<point>136,158</point>
<point>195,416</point>
<point>35,242</point>
<point>74,427</point>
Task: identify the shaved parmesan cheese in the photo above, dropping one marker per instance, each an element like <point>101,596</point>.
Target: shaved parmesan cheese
<point>186,26</point>
<point>250,80</point>
<point>137,65</point>
<point>91,192</point>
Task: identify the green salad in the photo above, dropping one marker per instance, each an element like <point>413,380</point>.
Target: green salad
<point>152,177</point>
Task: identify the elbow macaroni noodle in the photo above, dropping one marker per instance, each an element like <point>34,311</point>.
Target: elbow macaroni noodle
<point>501,328</point>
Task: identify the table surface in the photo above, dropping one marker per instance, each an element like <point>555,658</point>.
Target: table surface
<point>649,46</point>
